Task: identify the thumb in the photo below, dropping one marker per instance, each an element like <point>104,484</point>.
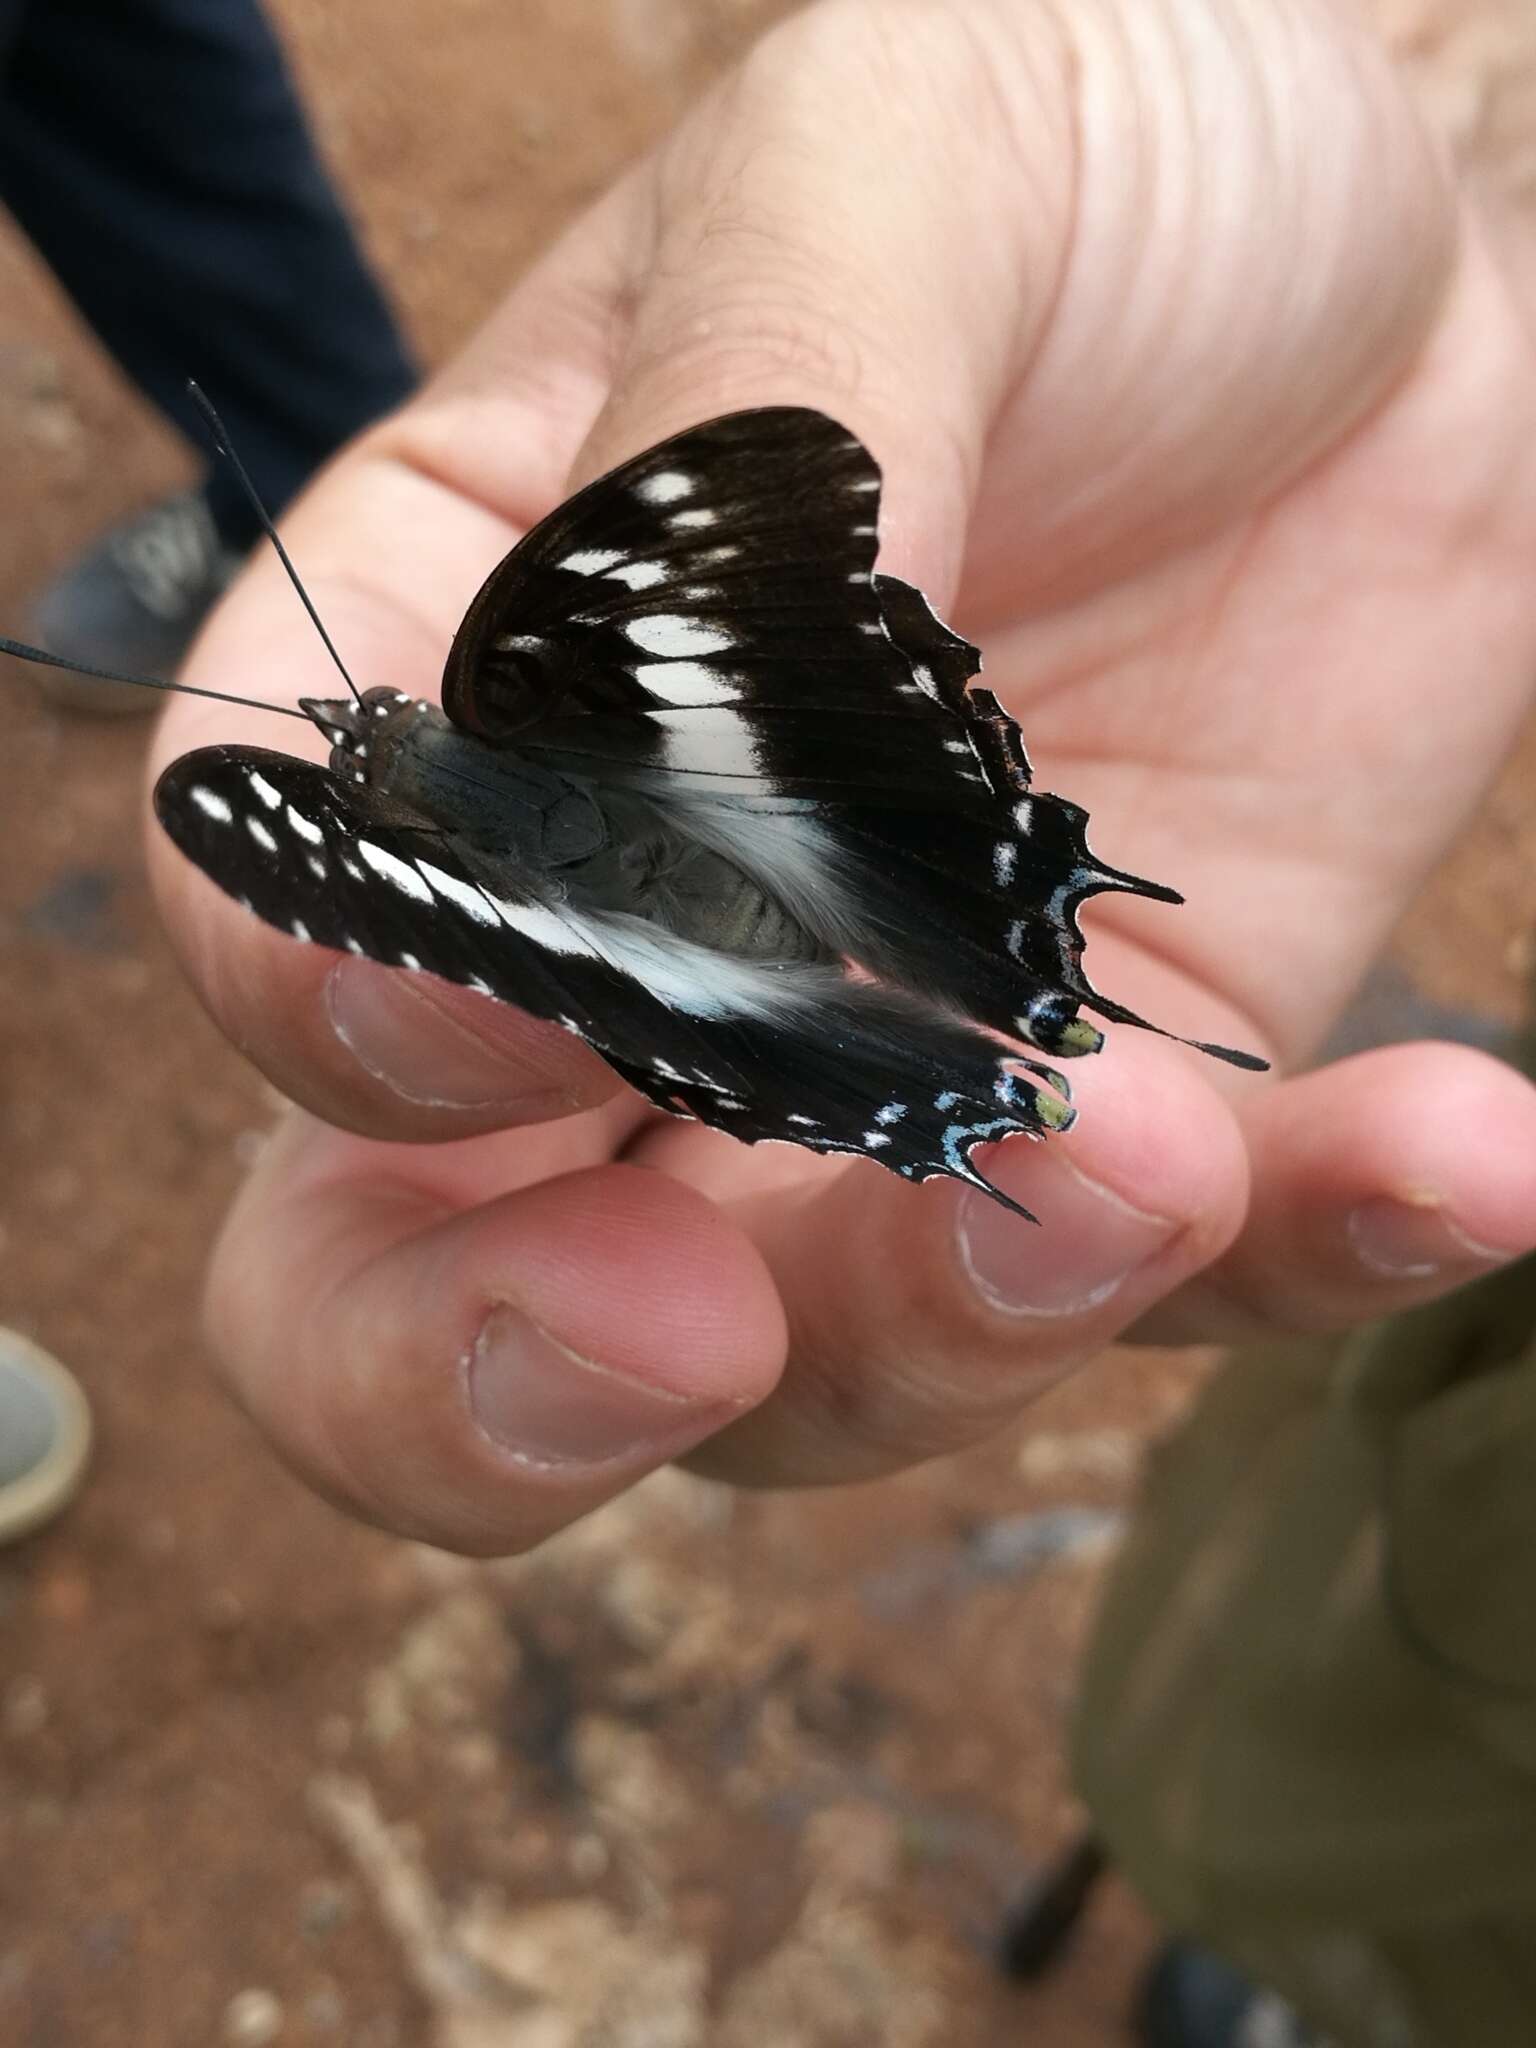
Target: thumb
<point>1103,276</point>
<point>816,241</point>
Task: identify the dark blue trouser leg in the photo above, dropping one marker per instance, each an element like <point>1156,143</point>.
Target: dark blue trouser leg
<point>157,156</point>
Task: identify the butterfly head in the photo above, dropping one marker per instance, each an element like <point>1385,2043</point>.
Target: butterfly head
<point>358,727</point>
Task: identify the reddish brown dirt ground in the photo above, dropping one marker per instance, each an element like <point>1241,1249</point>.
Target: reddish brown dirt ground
<point>707,1770</point>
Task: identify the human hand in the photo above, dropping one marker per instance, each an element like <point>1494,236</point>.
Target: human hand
<point>1205,405</point>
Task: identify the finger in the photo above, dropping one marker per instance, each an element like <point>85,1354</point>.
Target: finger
<point>817,244</point>
<point>920,1321</point>
<point>368,1048</point>
<point>476,1377</point>
<point>1378,1183</point>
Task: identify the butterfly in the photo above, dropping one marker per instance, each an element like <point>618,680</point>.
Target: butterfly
<point>713,793</point>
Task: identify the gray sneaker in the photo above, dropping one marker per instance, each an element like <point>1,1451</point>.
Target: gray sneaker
<point>134,601</point>
<point>1193,1998</point>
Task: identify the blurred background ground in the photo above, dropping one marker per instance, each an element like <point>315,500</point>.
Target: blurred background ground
<point>706,1772</point>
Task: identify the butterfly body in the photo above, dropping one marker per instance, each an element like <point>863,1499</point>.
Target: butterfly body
<point>406,753</point>
<point>716,796</point>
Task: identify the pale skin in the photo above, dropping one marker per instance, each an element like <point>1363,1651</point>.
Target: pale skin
<point>1206,401</point>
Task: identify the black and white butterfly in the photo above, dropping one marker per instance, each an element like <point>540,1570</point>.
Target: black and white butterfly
<point>715,795</point>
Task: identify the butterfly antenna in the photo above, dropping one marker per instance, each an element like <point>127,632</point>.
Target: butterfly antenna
<point>44,659</point>
<point>226,448</point>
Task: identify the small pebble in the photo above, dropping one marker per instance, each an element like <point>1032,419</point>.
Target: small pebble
<point>24,1707</point>
<point>63,1596</point>
<point>224,1612</point>
<point>323,2010</point>
<point>323,1906</point>
<point>588,1858</point>
<point>252,2019</point>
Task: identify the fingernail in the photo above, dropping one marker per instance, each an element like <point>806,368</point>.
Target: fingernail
<point>408,1037</point>
<point>1087,1243</point>
<point>550,1406</point>
<point>1412,1238</point>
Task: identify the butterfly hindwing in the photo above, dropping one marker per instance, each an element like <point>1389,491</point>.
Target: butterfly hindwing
<point>846,1068</point>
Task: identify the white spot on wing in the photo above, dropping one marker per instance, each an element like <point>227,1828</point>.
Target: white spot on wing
<point>709,742</point>
<point>640,575</point>
<point>393,869</point>
<point>269,796</point>
<point>670,633</point>
<point>316,866</point>
<point>410,960</point>
<point>591,561</point>
<point>1005,858</point>
<point>260,834</point>
<point>305,827</point>
<point>211,804</point>
<point>464,894</point>
<point>873,1140</point>
<point>686,682</point>
<point>1024,814</point>
<point>699,515</point>
<point>666,487</point>
<point>299,928</point>
<point>892,1113</point>
<point>554,934</point>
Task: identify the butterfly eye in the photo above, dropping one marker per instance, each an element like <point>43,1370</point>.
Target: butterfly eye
<point>524,666</point>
